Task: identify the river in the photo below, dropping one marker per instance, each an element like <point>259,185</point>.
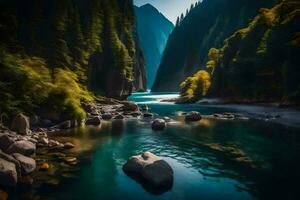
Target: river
<point>211,159</point>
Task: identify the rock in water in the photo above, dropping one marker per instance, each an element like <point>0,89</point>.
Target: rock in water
<point>159,124</point>
<point>94,121</point>
<point>8,173</point>
<point>28,165</point>
<point>150,168</point>
<point>65,125</point>
<point>23,147</point>
<point>119,117</point>
<point>193,116</point>
<point>129,106</point>
<point>21,124</point>
<point>147,115</point>
<point>69,145</point>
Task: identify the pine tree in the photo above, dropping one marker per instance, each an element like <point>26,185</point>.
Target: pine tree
<point>177,22</point>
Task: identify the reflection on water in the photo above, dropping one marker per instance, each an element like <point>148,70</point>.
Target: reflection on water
<point>211,159</point>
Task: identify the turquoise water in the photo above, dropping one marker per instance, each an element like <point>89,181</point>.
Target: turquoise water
<point>199,172</point>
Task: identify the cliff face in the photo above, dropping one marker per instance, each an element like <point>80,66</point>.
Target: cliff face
<point>95,39</point>
<point>205,26</point>
<point>260,62</point>
<point>153,31</point>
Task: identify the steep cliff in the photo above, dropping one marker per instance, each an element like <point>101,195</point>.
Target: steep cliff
<point>54,52</point>
<point>153,30</point>
<point>94,38</point>
<point>206,25</point>
<point>261,61</point>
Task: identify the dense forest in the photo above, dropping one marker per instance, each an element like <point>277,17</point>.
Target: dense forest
<point>257,63</point>
<point>153,30</point>
<point>54,54</point>
<point>205,25</point>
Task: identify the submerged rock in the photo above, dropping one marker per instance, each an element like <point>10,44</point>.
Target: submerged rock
<point>44,166</point>
<point>69,145</point>
<point>8,173</point>
<point>21,124</point>
<point>150,169</point>
<point>65,125</point>
<point>119,117</point>
<point>193,116</point>
<point>23,147</point>
<point>159,124</point>
<point>94,121</point>
<point>147,115</point>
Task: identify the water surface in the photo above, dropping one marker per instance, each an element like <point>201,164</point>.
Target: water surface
<point>200,172</point>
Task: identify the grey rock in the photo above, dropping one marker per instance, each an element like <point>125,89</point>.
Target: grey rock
<point>95,121</point>
<point>159,124</point>
<point>21,124</point>
<point>69,145</point>
<point>10,158</point>
<point>147,115</point>
<point>151,168</point>
<point>193,116</point>
<point>65,125</point>
<point>5,141</point>
<point>106,116</point>
<point>46,123</point>
<point>23,147</point>
<point>119,116</point>
<point>28,165</point>
<point>129,106</point>
<point>8,173</point>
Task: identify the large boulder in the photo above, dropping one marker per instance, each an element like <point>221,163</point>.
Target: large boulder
<point>129,106</point>
<point>159,124</point>
<point>11,159</point>
<point>5,141</point>
<point>21,124</point>
<point>8,173</point>
<point>23,147</point>
<point>94,121</point>
<point>193,116</point>
<point>65,125</point>
<point>28,165</point>
<point>151,168</point>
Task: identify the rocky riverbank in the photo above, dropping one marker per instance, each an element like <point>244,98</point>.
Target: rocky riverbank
<point>30,154</point>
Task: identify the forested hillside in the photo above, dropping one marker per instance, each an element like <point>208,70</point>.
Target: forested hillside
<point>153,30</point>
<point>206,25</point>
<point>53,51</point>
<point>259,62</point>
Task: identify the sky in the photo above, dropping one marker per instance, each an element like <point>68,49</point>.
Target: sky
<point>169,8</point>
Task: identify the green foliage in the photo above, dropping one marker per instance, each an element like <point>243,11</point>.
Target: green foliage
<point>46,48</point>
<point>207,25</point>
<point>68,99</point>
<point>260,62</point>
<point>26,85</point>
<point>196,86</point>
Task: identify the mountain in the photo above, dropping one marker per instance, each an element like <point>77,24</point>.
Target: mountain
<point>260,62</point>
<point>206,25</point>
<point>153,31</point>
<point>63,52</point>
